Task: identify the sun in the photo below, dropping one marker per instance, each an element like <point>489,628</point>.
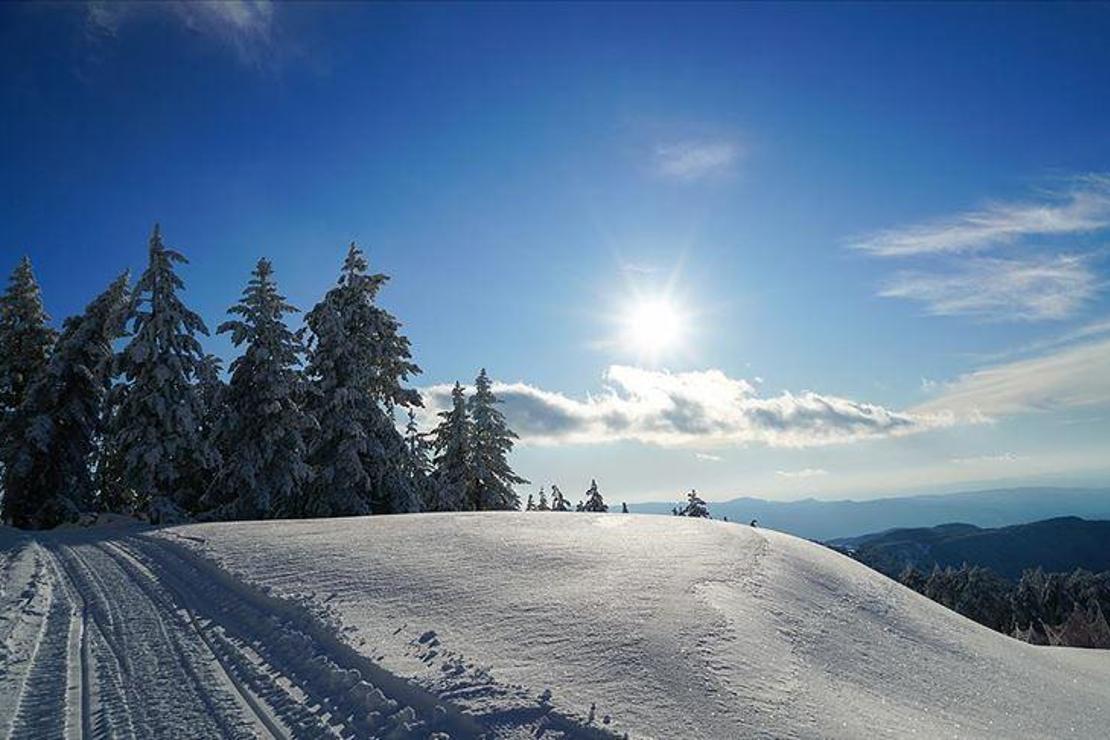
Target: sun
<point>653,326</point>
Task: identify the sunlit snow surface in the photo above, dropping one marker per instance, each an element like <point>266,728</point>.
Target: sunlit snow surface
<point>667,627</point>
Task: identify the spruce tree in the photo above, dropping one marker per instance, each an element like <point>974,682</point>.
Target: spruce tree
<point>453,479</point>
<point>491,443</point>
<point>358,364</point>
<point>265,470</point>
<point>157,423</point>
<point>542,505</point>
<point>53,434</point>
<point>558,501</point>
<point>594,502</point>
<point>26,338</point>
<point>694,507</point>
<point>531,505</point>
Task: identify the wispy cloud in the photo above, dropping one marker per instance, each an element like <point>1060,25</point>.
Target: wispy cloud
<point>1024,284</point>
<point>1073,377</point>
<point>1083,207</point>
<point>244,26</point>
<point>1002,289</point>
<point>1003,457</point>
<point>706,457</point>
<point>694,160</point>
<point>703,409</point>
<point>803,473</point>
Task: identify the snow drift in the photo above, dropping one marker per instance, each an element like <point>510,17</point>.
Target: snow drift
<point>596,625</point>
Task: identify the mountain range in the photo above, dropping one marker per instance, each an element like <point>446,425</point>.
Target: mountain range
<point>827,520</point>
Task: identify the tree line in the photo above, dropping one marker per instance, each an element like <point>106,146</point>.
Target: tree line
<point>123,411</point>
<point>1041,608</point>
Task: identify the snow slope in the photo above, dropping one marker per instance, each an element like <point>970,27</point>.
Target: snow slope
<point>667,627</point>
<point>515,625</point>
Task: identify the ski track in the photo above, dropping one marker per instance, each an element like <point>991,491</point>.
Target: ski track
<point>134,638</point>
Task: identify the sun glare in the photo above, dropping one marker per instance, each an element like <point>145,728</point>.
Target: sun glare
<point>651,327</point>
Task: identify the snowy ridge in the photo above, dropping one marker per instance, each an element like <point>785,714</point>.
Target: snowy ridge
<point>658,627</point>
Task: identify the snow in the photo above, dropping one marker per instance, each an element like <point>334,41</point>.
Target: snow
<point>575,625</point>
<point>670,627</point>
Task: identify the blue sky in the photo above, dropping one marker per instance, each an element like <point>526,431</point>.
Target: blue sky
<point>881,230</point>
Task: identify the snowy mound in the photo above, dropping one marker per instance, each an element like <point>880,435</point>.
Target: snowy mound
<point>598,625</point>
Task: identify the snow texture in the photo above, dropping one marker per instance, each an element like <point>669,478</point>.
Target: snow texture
<point>502,625</point>
<point>659,627</point>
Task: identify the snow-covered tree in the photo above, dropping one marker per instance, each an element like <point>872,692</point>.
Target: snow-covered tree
<point>453,477</point>
<point>53,434</point>
<point>418,459</point>
<point>594,502</point>
<point>558,500</point>
<point>25,336</point>
<point>358,363</point>
<point>265,469</point>
<point>491,443</point>
<point>26,340</point>
<point>542,505</point>
<point>694,506</point>
<point>157,420</point>
<point>531,505</point>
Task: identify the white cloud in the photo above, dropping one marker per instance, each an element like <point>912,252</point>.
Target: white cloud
<point>1074,377</point>
<point>1084,207</point>
<point>803,473</point>
<point>1002,289</point>
<point>245,26</point>
<point>1004,457</point>
<point>694,160</point>
<point>706,457</point>
<point>703,408</point>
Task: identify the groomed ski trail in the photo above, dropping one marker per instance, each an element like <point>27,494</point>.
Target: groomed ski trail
<point>133,637</point>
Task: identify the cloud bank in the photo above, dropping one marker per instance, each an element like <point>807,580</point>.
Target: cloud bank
<point>703,409</point>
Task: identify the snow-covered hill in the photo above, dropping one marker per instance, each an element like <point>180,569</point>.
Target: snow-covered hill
<point>585,625</point>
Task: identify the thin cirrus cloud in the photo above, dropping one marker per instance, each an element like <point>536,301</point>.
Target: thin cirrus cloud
<point>1002,289</point>
<point>694,160</point>
<point>1025,284</point>
<point>244,26</point>
<point>1076,376</point>
<point>702,408</point>
<point>803,473</point>
<point>1082,208</point>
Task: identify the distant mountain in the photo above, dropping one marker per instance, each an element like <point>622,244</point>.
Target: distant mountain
<point>826,520</point>
<point>1056,545</point>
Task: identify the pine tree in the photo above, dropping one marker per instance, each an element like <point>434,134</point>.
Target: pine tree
<point>542,505</point>
<point>25,337</point>
<point>558,501</point>
<point>594,502</point>
<point>26,341</point>
<point>694,507</point>
<point>265,471</point>
<point>418,459</point>
<point>157,426</point>
<point>531,505</point>
<point>491,443</point>
<point>358,362</point>
<point>453,479</point>
<point>53,434</point>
